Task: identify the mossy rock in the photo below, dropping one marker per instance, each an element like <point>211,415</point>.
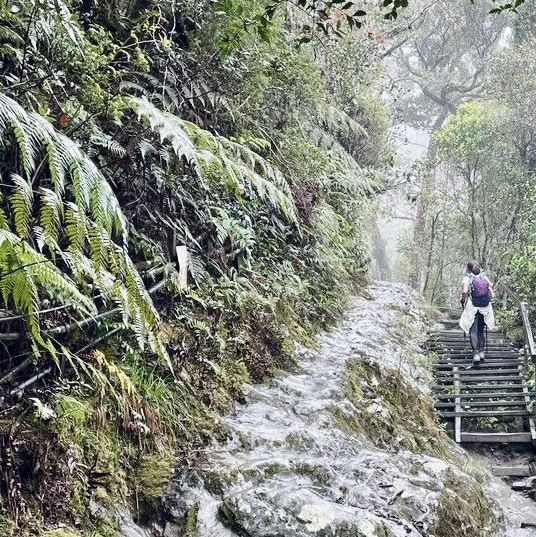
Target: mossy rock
<point>463,505</point>
<point>390,412</point>
<point>154,474</point>
<point>192,528</point>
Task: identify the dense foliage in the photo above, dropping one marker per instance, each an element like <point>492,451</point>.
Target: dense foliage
<point>129,128</point>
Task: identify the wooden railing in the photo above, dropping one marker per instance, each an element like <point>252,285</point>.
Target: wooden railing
<point>529,346</point>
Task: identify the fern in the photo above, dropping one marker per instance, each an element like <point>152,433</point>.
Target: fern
<point>90,228</point>
<point>216,158</point>
<point>25,272</point>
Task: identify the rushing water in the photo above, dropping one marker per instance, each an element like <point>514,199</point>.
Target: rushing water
<point>286,469</point>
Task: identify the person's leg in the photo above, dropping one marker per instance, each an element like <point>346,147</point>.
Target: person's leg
<point>473,335</point>
<point>481,326</point>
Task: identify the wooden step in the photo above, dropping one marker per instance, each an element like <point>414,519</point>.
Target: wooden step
<point>492,387</point>
<point>465,345</point>
<point>445,349</point>
<point>480,395</point>
<point>484,413</point>
<point>480,404</point>
<point>464,378</point>
<point>459,337</point>
<point>511,471</point>
<point>500,364</point>
<point>478,371</point>
<point>494,438</point>
<point>469,356</point>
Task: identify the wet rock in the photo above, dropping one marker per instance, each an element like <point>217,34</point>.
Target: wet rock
<point>296,463</point>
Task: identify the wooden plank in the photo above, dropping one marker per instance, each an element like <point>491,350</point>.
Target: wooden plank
<point>532,427</point>
<point>483,413</point>
<point>469,359</point>
<point>478,404</point>
<point>488,438</point>
<point>468,365</point>
<point>182,260</point>
<point>492,387</point>
<point>480,372</point>
<point>491,395</point>
<point>496,353</point>
<point>447,340</point>
<point>527,329</point>
<point>511,471</point>
<point>484,378</point>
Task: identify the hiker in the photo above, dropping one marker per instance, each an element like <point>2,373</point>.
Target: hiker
<point>477,292</point>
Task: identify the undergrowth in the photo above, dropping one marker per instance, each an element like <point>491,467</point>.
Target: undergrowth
<point>390,412</point>
<point>131,131</point>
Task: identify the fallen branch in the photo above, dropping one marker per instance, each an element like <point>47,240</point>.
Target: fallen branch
<point>103,315</point>
<point>28,382</point>
<point>63,329</point>
<point>16,369</point>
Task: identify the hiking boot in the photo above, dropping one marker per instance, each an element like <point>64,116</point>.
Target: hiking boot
<point>476,358</point>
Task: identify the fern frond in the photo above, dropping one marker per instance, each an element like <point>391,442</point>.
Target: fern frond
<point>51,215</point>
<point>21,201</point>
<point>232,164</point>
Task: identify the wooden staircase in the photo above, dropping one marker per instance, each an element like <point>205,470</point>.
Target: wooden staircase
<point>495,389</point>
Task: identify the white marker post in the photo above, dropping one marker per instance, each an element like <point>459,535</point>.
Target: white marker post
<point>182,260</point>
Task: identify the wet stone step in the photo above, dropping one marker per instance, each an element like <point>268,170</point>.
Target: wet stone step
<point>495,438</point>
<point>512,471</point>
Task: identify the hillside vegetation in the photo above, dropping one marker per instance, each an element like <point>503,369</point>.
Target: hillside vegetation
<point>129,128</point>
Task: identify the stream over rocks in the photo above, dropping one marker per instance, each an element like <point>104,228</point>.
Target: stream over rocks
<point>317,451</point>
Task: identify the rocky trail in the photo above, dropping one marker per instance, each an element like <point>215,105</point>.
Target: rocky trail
<point>345,445</point>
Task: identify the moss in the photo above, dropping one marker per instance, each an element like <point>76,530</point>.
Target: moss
<point>300,441</point>
<point>191,528</point>
<point>464,508</point>
<point>316,472</point>
<point>6,525</point>
<point>382,530</point>
<point>154,474</point>
<point>66,532</point>
<point>390,412</point>
<point>105,528</point>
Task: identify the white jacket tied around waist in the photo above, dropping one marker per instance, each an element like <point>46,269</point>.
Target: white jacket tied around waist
<point>468,316</point>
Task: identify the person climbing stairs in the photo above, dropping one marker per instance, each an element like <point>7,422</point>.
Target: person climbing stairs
<point>489,401</point>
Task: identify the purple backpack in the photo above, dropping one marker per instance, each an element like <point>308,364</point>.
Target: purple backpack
<point>480,291</point>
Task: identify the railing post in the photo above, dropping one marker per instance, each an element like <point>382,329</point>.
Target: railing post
<point>530,348</point>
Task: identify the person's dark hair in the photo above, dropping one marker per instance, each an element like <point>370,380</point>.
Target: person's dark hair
<point>474,267</point>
